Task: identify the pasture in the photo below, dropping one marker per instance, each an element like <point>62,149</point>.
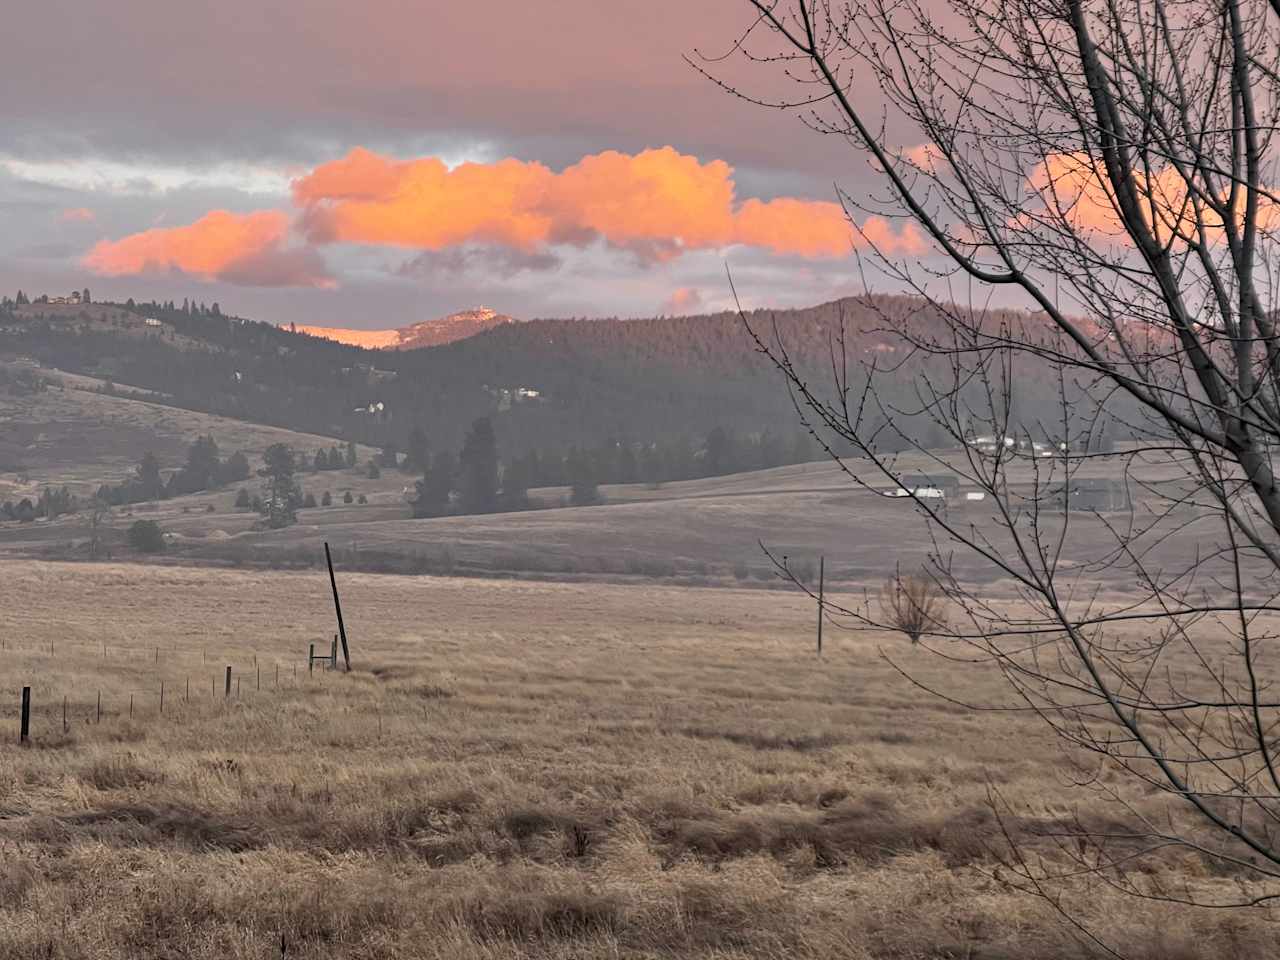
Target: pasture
<point>515,769</point>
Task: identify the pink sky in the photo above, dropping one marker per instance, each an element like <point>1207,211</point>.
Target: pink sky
<point>308,162</point>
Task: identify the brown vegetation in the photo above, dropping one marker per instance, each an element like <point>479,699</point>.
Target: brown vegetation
<point>509,772</point>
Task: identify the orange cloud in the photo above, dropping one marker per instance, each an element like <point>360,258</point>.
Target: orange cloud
<point>1075,188</point>
<point>247,248</point>
<point>657,203</point>
<point>683,301</point>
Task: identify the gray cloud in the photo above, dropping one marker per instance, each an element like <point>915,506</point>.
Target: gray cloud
<point>494,263</point>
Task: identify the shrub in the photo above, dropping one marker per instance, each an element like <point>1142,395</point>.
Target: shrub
<point>309,500</point>
<point>362,499</point>
<point>912,605</point>
<point>327,499</point>
<point>243,500</point>
<point>374,472</point>
<point>145,536</point>
<point>348,498</point>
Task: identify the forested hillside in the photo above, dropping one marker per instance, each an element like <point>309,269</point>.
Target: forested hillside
<point>547,385</point>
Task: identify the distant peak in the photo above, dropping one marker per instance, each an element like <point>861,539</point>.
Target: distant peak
<point>426,333</point>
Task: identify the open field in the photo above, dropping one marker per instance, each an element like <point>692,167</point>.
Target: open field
<point>521,770</point>
<point>698,531</point>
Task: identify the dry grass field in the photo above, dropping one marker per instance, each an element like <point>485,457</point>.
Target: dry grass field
<point>541,770</point>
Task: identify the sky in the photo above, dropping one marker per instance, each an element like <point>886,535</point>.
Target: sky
<point>379,164</point>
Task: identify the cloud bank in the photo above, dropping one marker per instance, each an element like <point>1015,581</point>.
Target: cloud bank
<point>513,215</point>
<point>249,249</point>
<point>656,204</point>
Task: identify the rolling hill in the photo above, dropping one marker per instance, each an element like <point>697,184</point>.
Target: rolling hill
<point>548,385</point>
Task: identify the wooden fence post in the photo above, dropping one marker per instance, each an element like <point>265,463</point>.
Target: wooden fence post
<point>24,719</point>
<point>226,691</point>
<point>311,656</point>
<point>131,706</point>
<point>64,714</point>
<point>162,698</point>
<point>333,654</point>
<point>98,717</point>
<point>337,608</point>
<point>822,582</point>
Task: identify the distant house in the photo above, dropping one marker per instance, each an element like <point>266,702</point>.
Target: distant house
<point>940,486</point>
<point>152,322</point>
<point>73,299</point>
<point>1093,495</point>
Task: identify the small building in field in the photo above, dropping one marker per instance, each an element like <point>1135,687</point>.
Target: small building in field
<point>927,486</point>
<point>1093,495</point>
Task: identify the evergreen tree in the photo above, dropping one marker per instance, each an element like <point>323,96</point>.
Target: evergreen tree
<point>582,479</point>
<point>373,470</point>
<point>416,458</point>
<point>351,453</point>
<point>321,461</point>
<point>389,456</point>
<point>515,484</point>
<point>150,485</point>
<point>478,463</point>
<point>435,487</point>
<point>327,499</point>
<point>280,493</point>
<point>243,500</point>
<point>145,536</point>
<point>235,468</point>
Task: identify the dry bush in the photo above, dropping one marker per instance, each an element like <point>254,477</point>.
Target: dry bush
<point>913,605</point>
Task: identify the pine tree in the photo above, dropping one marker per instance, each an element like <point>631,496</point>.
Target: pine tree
<point>416,458</point>
<point>280,491</point>
<point>351,453</point>
<point>150,483</point>
<point>582,478</point>
<point>435,487</point>
<point>478,463</point>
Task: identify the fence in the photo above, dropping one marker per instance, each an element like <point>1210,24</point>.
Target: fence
<point>171,684</point>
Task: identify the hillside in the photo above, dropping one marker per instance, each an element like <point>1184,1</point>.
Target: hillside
<point>428,333</point>
<point>548,385</point>
<point>72,432</point>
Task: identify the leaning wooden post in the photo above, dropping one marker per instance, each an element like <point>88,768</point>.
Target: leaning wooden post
<point>226,690</point>
<point>822,583</point>
<point>337,608</point>
<point>24,719</point>
<point>311,657</point>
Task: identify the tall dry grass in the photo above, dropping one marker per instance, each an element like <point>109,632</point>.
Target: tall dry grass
<point>518,770</point>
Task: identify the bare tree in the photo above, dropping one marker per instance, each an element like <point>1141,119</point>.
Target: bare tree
<point>912,605</point>
<point>1108,164</point>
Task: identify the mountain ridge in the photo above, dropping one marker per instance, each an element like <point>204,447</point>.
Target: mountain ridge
<point>425,333</point>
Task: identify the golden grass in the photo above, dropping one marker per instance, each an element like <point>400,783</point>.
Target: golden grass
<point>514,770</point>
